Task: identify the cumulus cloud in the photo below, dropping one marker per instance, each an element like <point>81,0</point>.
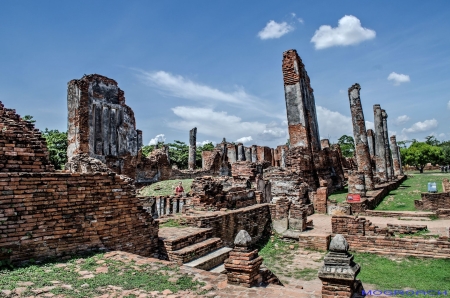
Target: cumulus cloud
<point>333,124</point>
<point>348,32</point>
<point>421,126</point>
<point>401,119</point>
<point>275,30</point>
<point>244,139</point>
<point>398,78</point>
<point>205,142</point>
<point>158,138</point>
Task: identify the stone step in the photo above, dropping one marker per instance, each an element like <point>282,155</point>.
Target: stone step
<point>416,218</point>
<point>211,260</point>
<point>219,269</point>
<point>194,251</point>
<point>171,239</point>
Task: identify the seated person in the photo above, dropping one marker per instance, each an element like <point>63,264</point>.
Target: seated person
<point>179,190</point>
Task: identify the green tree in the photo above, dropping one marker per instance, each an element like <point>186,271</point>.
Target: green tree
<point>431,140</point>
<point>445,156</point>
<point>419,154</point>
<point>179,154</point>
<point>147,149</point>
<point>57,147</point>
<point>29,118</point>
<point>347,145</point>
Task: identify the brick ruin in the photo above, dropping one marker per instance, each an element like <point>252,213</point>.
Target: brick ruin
<point>46,213</point>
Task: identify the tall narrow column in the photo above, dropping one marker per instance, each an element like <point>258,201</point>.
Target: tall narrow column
<point>248,153</point>
<point>359,132</point>
<point>389,168</point>
<point>371,142</point>
<point>254,155</point>
<point>396,157</point>
<point>380,149</point>
<point>241,153</point>
<point>192,148</point>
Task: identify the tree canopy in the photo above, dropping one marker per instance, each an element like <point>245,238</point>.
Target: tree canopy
<point>421,153</point>
<point>57,147</point>
<point>347,145</point>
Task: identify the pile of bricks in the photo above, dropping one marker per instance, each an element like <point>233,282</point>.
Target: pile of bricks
<point>243,171</point>
<point>285,183</point>
<point>22,147</point>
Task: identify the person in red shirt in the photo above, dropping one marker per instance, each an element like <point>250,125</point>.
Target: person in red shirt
<point>179,190</point>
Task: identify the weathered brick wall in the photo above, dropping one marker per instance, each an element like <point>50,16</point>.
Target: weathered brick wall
<point>351,225</point>
<point>445,185</point>
<point>433,201</point>
<point>22,148</point>
<point>320,200</point>
<point>55,214</point>
<point>314,241</point>
<point>254,219</point>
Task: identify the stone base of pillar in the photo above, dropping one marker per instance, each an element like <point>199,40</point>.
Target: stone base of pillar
<point>336,289</point>
<point>243,267</point>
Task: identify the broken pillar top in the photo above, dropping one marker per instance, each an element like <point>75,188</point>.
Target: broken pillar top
<point>339,244</point>
<point>353,87</point>
<point>242,239</point>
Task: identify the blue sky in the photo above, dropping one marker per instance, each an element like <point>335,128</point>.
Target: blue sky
<point>217,64</point>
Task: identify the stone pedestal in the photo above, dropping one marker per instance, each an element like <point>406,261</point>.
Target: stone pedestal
<point>338,274</point>
<point>243,264</point>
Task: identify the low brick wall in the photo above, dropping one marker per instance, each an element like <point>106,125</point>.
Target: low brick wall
<point>433,201</point>
<point>397,214</point>
<point>226,224</point>
<point>55,214</point>
<point>406,229</point>
<point>314,241</point>
<point>418,247</point>
<point>375,197</point>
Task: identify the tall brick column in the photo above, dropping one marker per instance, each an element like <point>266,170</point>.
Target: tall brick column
<point>192,148</point>
<point>359,132</point>
<point>380,149</point>
<point>338,274</point>
<point>396,157</point>
<point>248,153</point>
<point>254,155</point>
<point>300,104</point>
<point>389,167</point>
<point>241,152</point>
<point>243,264</point>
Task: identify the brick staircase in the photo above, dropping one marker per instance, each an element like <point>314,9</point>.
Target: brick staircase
<point>193,247</point>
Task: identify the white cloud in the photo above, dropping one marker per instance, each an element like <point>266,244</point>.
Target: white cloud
<point>178,86</point>
<point>205,142</point>
<point>348,32</point>
<point>401,119</point>
<point>275,30</point>
<point>398,78</point>
<point>300,20</point>
<point>421,126</point>
<point>448,105</point>
<point>332,124</point>
<point>244,140</point>
<point>220,125</point>
<point>158,138</point>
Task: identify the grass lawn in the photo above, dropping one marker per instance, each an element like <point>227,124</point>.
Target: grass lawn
<point>94,276</point>
<point>402,198</point>
<point>403,273</point>
<point>339,196</point>
<point>165,188</point>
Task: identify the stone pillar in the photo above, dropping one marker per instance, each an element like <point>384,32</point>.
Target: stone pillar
<point>243,263</point>
<point>320,199</point>
<point>283,157</point>
<point>362,154</point>
<point>241,153</point>
<point>300,103</point>
<point>389,166</point>
<point>231,153</point>
<point>396,157</point>
<point>338,274</point>
<point>254,154</point>
<point>139,139</point>
<point>166,150</point>
<point>371,142</point>
<point>325,143</point>
<point>356,184</point>
<point>192,148</point>
<point>380,149</point>
<point>248,153</point>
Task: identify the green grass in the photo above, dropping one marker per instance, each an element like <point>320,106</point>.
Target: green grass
<point>173,223</point>
<point>402,198</point>
<point>339,196</point>
<point>413,273</point>
<point>128,276</point>
<point>165,188</point>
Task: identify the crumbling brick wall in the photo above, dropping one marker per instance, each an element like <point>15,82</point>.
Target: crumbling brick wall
<point>288,184</point>
<point>101,124</point>
<point>56,214</point>
<point>445,185</point>
<point>433,201</point>
<point>351,225</point>
<point>22,148</point>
